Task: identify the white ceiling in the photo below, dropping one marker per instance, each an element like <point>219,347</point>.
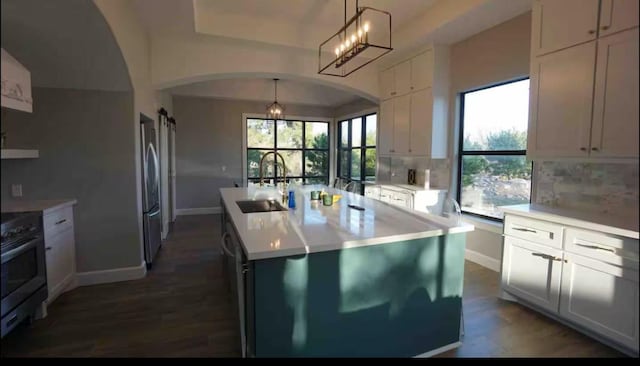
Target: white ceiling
<point>161,16</point>
<point>289,91</point>
<point>64,44</point>
<point>289,27</point>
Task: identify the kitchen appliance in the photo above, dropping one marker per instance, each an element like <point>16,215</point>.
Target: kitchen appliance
<point>151,220</point>
<point>24,278</point>
<point>237,269</point>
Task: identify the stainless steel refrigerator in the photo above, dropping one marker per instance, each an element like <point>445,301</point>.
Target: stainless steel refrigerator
<point>151,218</point>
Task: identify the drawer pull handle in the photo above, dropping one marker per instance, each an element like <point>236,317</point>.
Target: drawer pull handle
<point>61,221</point>
<point>525,230</point>
<point>48,248</point>
<point>596,247</point>
<point>546,256</point>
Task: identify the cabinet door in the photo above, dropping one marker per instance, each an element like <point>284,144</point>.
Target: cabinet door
<point>561,97</point>
<point>386,84</point>
<point>401,127</point>
<point>617,15</point>
<point>601,297</point>
<point>421,71</point>
<point>385,135</point>
<point>402,78</point>
<point>615,110</point>
<point>532,272</point>
<point>60,258</point>
<point>561,24</point>
<point>421,117</point>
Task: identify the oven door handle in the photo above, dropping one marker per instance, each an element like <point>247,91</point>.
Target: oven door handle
<point>21,249</point>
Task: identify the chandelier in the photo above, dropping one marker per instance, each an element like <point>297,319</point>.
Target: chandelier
<point>363,39</point>
<point>275,110</point>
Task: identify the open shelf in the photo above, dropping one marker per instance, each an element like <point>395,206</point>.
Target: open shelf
<point>19,154</point>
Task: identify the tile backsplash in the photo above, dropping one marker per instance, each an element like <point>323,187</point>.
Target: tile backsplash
<point>395,170</point>
<point>593,187</point>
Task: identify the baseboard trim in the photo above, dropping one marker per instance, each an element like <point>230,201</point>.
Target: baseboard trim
<point>439,350</point>
<point>483,260</point>
<point>112,275</point>
<point>199,211</point>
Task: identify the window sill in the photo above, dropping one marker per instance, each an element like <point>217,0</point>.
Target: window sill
<point>483,224</point>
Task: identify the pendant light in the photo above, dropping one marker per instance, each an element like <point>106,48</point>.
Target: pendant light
<point>275,110</point>
<point>362,39</point>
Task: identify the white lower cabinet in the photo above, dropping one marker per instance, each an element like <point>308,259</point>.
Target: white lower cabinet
<point>589,279</point>
<point>59,242</point>
<point>532,272</point>
<point>601,297</point>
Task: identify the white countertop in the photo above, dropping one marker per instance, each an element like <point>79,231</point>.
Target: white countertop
<point>624,226</point>
<point>46,206</point>
<point>312,227</point>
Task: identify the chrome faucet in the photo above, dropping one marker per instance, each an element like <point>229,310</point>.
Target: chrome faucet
<point>284,173</point>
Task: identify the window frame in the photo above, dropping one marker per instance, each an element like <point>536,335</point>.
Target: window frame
<point>462,153</point>
<point>274,147</point>
<point>349,149</point>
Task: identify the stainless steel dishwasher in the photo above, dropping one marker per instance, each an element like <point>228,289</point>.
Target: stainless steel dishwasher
<point>236,269</point>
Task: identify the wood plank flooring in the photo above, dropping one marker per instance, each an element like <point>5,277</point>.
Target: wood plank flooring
<point>182,309</point>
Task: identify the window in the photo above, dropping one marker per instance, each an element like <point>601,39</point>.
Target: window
<point>304,145</point>
<point>357,149</point>
<point>493,169</point>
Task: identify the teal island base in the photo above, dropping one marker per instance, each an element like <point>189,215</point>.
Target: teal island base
<point>399,299</point>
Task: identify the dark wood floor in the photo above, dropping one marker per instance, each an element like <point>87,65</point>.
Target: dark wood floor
<point>182,309</point>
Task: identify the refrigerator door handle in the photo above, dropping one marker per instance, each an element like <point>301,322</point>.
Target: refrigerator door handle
<point>157,166</point>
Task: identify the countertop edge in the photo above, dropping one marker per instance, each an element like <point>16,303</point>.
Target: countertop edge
<point>357,243</point>
<point>561,218</point>
<point>46,206</point>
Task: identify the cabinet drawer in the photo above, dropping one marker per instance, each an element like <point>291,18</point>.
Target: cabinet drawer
<point>608,248</point>
<point>536,231</point>
<point>58,221</point>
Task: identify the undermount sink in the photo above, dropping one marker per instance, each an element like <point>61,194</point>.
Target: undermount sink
<point>252,206</point>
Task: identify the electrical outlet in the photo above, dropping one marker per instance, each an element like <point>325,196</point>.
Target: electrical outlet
<point>16,190</point>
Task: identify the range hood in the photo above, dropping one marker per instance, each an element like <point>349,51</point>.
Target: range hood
<point>16,84</point>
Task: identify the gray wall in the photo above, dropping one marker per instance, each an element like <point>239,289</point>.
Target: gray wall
<point>498,54</point>
<point>86,143</point>
<point>209,145</point>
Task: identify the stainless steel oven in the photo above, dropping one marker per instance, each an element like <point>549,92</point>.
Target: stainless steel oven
<point>24,279</point>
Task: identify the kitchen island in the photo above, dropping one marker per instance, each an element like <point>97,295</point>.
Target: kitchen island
<point>333,281</point>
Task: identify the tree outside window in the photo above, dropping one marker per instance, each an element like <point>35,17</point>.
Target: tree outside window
<point>493,168</point>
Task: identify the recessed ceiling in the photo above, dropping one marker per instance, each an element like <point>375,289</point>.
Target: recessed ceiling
<point>170,15</point>
<point>289,91</point>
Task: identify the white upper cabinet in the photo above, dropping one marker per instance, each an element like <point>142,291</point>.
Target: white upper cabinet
<point>387,85</point>
<point>385,135</point>
<point>617,15</point>
<point>421,69</point>
<point>560,102</point>
<point>562,24</point>
<point>402,76</point>
<point>421,109</point>
<point>16,84</point>
<point>401,124</point>
<point>615,109</point>
<point>413,113</point>
<point>581,105</point>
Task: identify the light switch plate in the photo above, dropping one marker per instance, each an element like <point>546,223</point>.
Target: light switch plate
<point>16,190</point>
